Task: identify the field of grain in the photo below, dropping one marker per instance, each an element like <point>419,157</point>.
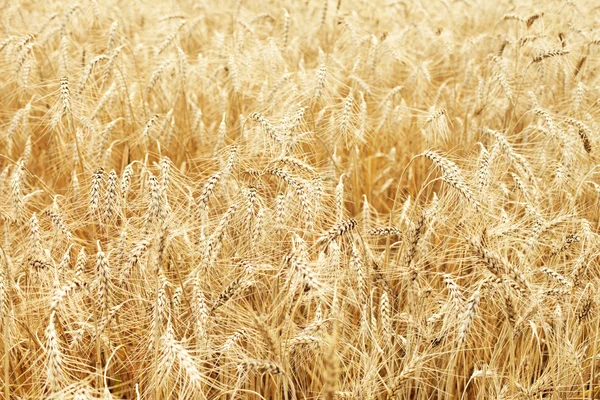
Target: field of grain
<point>299,199</point>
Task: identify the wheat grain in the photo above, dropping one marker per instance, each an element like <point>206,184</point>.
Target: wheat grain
<point>549,54</point>
<point>54,369</point>
<point>103,276</point>
<point>338,230</point>
<point>110,196</point>
<point>468,316</point>
<point>453,176</point>
<point>95,190</point>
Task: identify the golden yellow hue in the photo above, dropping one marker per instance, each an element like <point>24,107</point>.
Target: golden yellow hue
<point>291,199</point>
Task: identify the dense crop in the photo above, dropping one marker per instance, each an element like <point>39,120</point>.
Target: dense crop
<point>299,199</point>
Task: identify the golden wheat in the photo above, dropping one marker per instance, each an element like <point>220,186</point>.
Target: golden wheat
<point>299,200</point>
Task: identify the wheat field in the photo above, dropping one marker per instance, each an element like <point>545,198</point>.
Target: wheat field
<point>285,199</point>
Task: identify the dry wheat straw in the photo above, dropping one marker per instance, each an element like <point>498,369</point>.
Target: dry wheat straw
<point>240,151</point>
